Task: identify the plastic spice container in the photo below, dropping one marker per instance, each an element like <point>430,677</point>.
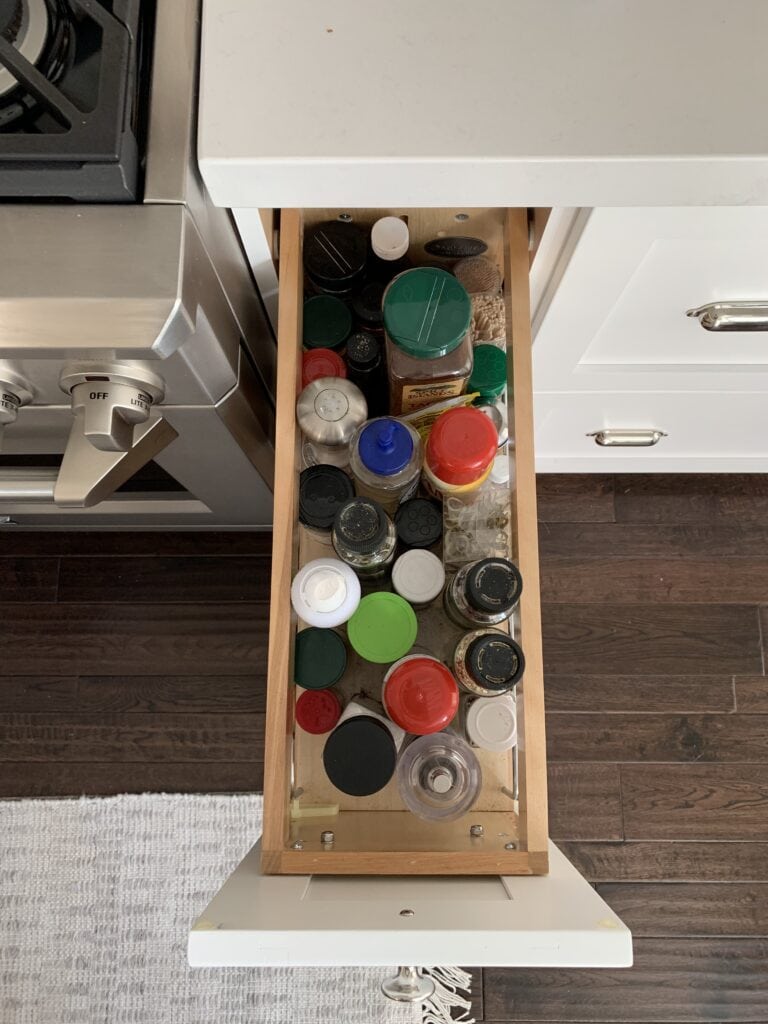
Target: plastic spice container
<point>322,491</point>
<point>439,777</point>
<point>329,411</point>
<point>366,369</point>
<point>367,306</point>
<point>489,372</point>
<point>491,723</point>
<point>364,537</point>
<point>419,523</point>
<point>335,255</point>
<point>360,755</point>
<point>419,577</point>
<point>483,593</point>
<point>383,629</point>
<point>390,239</point>
<point>326,592</point>
<point>488,662</point>
<point>420,695</point>
<point>319,658</point>
<point>327,323</point>
<point>317,711</point>
<point>321,362</point>
<point>427,314</point>
<point>459,452</point>
<point>385,459</point>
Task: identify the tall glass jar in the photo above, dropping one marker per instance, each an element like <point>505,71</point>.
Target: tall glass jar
<point>483,593</point>
<point>427,316</point>
<point>364,537</point>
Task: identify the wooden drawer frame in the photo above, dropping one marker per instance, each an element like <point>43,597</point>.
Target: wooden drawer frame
<point>395,842</point>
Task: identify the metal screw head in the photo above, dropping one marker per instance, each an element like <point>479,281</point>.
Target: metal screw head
<point>407,912</point>
<point>327,837</point>
<point>510,846</point>
<point>298,845</point>
<point>476,830</point>
<point>345,217</point>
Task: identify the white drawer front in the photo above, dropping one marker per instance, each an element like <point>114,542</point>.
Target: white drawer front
<point>614,315</point>
<point>706,432</point>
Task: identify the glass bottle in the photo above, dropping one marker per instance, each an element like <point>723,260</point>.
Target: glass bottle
<point>488,662</point>
<point>439,777</point>
<point>483,593</point>
<point>365,366</point>
<point>364,537</point>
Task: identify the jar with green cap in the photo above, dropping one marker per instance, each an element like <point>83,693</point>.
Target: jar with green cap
<point>489,373</point>
<point>427,316</point>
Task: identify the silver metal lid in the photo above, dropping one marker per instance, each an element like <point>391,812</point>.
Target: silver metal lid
<point>330,410</point>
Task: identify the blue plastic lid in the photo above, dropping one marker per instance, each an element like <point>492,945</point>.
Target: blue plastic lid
<point>385,446</point>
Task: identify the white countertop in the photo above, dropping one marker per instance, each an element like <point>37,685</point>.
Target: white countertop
<point>484,102</point>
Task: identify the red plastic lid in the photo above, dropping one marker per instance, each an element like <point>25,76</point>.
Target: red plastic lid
<point>420,695</point>
<point>461,445</point>
<point>321,362</point>
<point>317,711</point>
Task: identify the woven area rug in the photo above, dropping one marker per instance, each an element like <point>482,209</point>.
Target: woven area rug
<point>96,900</point>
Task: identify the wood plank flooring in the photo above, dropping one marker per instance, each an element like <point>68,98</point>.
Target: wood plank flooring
<point>132,662</point>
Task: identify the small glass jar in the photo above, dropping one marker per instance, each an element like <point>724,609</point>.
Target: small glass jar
<point>364,537</point>
<point>488,662</point>
<point>483,593</point>
<point>365,367</point>
<point>329,411</point>
<point>419,523</point>
<point>427,316</point>
<point>439,777</point>
<point>385,459</point>
<point>335,254</point>
<point>459,452</point>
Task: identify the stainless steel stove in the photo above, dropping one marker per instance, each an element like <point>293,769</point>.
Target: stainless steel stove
<point>136,361</point>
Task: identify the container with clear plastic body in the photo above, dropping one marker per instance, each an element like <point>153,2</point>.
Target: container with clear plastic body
<point>439,777</point>
<point>385,459</point>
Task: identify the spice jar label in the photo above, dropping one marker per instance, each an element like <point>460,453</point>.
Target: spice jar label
<point>418,396</point>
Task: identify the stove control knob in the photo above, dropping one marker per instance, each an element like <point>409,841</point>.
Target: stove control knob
<point>13,394</point>
<point>109,404</point>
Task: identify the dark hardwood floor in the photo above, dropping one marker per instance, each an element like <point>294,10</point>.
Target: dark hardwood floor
<point>133,662</point>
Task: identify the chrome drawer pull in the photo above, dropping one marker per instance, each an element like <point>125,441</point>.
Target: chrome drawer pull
<point>732,316</point>
<point>627,438</point>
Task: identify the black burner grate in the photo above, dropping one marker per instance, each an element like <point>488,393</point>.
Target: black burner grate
<point>71,124</point>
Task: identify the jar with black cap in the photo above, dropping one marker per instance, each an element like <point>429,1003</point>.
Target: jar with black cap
<point>488,662</point>
<point>483,593</point>
<point>365,367</point>
<point>367,306</point>
<point>360,755</point>
<point>322,491</point>
<point>335,254</point>
<point>364,537</point>
<point>419,523</point>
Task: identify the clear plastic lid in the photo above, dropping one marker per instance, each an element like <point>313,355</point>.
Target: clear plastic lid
<point>439,777</point>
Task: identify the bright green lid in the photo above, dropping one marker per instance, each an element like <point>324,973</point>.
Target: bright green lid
<point>320,658</point>
<point>489,371</point>
<point>383,628</point>
<point>427,312</point>
<point>327,322</point>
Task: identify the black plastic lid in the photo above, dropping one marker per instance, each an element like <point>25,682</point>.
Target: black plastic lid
<point>319,659</point>
<point>363,352</point>
<point>419,523</point>
<point>322,490</point>
<point>456,247</point>
<point>495,661</point>
<point>360,525</point>
<point>493,585</point>
<point>360,756</point>
<point>335,254</point>
<point>367,305</point>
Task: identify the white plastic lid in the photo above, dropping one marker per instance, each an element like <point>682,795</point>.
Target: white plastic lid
<point>325,592</point>
<point>390,238</point>
<point>418,576</point>
<point>492,723</point>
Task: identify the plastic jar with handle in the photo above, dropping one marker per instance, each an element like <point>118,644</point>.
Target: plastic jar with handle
<point>439,777</point>
<point>385,458</point>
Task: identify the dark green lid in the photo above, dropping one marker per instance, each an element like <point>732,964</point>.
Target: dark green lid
<point>489,371</point>
<point>320,658</point>
<point>427,312</point>
<point>327,322</point>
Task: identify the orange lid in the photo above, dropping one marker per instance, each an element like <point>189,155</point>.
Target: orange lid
<point>420,695</point>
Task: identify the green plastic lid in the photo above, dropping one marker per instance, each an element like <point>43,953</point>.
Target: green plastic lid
<point>383,628</point>
<point>427,312</point>
<point>489,371</point>
<point>320,658</point>
<point>327,322</point>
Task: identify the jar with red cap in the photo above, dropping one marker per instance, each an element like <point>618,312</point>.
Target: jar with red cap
<point>321,362</point>
<point>420,694</point>
<point>317,711</point>
<point>459,453</point>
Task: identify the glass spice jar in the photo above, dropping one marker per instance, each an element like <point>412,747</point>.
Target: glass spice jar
<point>483,593</point>
<point>488,662</point>
<point>364,537</point>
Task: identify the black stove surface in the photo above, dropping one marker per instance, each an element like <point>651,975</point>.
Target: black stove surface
<point>73,100</point>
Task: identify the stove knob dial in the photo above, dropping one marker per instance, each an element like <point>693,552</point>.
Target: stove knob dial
<point>110,411</point>
<point>13,394</point>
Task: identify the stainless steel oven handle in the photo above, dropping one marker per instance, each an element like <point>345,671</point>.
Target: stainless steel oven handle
<point>627,438</point>
<point>748,315</point>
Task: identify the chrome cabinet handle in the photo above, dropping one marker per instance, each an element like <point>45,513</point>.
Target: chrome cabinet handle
<point>732,316</point>
<point>627,438</point>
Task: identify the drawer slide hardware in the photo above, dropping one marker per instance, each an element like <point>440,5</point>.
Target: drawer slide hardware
<point>627,438</point>
<point>732,316</point>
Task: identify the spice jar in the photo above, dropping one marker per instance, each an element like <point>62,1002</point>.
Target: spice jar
<point>483,593</point>
<point>439,777</point>
<point>420,694</point>
<point>427,314</point>
<point>489,373</point>
<point>329,411</point>
<point>325,592</point>
<point>364,537</point>
<point>488,662</point>
<point>419,523</point>
<point>367,306</point>
<point>319,658</point>
<point>383,629</point>
<point>327,323</point>
<point>321,362</point>
<point>491,723</point>
<point>360,755</point>
<point>385,459</point>
<point>366,369</point>
<point>317,711</point>
<point>322,491</point>
<point>459,452</point>
<point>390,239</point>
<point>419,577</point>
<point>335,254</point>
